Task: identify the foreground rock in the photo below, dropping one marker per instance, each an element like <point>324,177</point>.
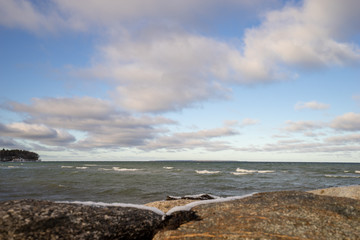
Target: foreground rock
<point>347,191</point>
<point>167,205</point>
<point>32,219</point>
<point>275,215</point>
<point>172,201</point>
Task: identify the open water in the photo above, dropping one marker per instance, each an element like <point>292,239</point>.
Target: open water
<point>142,182</point>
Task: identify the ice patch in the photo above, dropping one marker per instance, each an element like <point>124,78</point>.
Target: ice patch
<point>206,172</point>
<point>124,205</point>
<point>125,169</point>
<point>189,206</point>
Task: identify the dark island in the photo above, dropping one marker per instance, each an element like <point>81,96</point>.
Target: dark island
<point>18,156</point>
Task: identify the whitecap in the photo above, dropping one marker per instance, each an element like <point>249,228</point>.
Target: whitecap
<point>265,171</point>
<point>105,169</point>
<point>357,172</point>
<point>81,167</point>
<point>239,170</point>
<point>245,170</point>
<point>341,176</point>
<point>66,166</point>
<point>239,173</point>
<point>206,172</point>
<point>168,167</point>
<point>125,169</point>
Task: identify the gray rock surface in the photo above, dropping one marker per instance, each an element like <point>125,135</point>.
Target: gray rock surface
<point>33,219</point>
<point>167,205</point>
<point>273,215</point>
<point>347,191</point>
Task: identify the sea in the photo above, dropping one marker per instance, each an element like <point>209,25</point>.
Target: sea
<point>143,182</point>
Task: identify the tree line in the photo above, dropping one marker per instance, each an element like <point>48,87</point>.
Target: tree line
<point>16,154</point>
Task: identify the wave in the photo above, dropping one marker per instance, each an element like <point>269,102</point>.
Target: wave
<point>240,173</point>
<point>357,172</point>
<point>125,169</point>
<point>81,167</point>
<point>168,167</point>
<point>246,171</point>
<point>265,171</point>
<point>66,166</point>
<point>239,170</point>
<point>206,172</point>
<point>341,176</point>
<point>105,169</point>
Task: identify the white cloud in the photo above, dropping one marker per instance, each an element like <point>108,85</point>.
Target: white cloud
<point>38,132</point>
<point>103,126</point>
<point>301,126</point>
<point>352,138</point>
<point>304,36</point>
<point>249,121</point>
<point>162,73</point>
<point>193,140</point>
<point>348,122</point>
<point>158,63</point>
<point>311,105</point>
<point>190,68</point>
<point>25,15</point>
<point>90,15</point>
<point>71,107</point>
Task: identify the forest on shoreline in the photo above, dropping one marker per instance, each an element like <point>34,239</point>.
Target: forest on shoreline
<point>17,155</point>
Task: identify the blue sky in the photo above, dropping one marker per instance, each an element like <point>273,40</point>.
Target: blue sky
<point>260,80</point>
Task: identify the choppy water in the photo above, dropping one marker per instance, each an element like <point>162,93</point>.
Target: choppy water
<point>142,182</point>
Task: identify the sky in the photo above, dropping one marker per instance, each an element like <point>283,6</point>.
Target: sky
<point>243,80</point>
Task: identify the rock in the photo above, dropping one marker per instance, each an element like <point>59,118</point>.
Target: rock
<point>34,219</point>
<point>167,205</point>
<point>273,215</point>
<point>172,201</point>
<point>348,191</point>
<point>193,197</point>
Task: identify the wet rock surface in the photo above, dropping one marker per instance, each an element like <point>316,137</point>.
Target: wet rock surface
<point>274,215</point>
<point>33,219</point>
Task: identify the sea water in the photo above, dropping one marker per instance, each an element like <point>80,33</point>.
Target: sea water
<point>142,182</point>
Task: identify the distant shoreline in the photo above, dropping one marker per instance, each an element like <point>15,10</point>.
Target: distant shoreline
<point>192,161</point>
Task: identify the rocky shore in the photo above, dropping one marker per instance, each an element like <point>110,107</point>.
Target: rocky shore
<point>270,215</point>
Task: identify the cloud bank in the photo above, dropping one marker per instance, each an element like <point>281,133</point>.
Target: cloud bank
<point>157,57</point>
